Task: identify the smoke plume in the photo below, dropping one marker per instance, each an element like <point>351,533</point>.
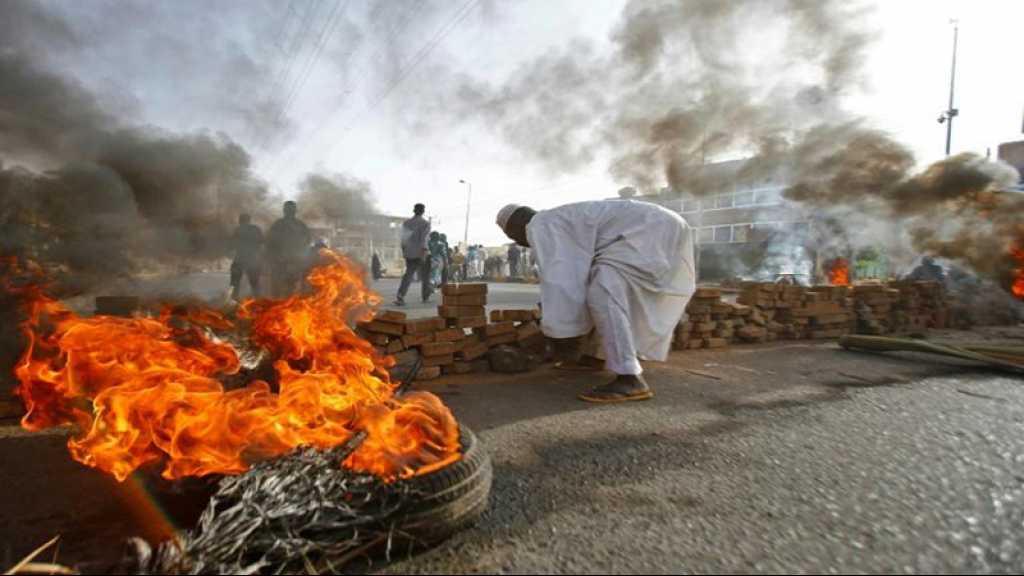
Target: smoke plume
<point>335,197</point>
<point>687,82</point>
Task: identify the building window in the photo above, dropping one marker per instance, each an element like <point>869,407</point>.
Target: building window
<point>768,196</point>
<point>744,199</point>
<point>723,234</point>
<point>741,232</point>
<point>723,201</point>
<point>706,235</point>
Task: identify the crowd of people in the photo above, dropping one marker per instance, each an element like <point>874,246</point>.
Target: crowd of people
<point>431,260</point>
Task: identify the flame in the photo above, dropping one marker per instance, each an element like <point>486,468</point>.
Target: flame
<point>839,274</point>
<point>144,390</point>
<point>1017,286</point>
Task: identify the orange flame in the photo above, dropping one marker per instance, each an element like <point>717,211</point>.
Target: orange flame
<point>147,390</point>
<point>839,274</point>
<point>1017,286</point>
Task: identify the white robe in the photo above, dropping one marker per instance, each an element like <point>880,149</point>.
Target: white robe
<point>625,266</point>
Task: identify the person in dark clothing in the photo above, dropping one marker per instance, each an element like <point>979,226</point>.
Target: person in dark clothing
<point>247,242</point>
<point>513,261</point>
<point>376,268</point>
<point>446,272</point>
<point>415,235</point>
<point>928,270</point>
<point>288,244</point>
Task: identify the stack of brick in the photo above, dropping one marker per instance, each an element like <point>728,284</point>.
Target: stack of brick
<point>711,322</point>
<point>463,306</point>
<point>525,326</point>
<point>825,312</point>
<point>767,311</point>
<point>442,341</point>
<point>767,302</point>
<point>874,304</point>
<point>385,332</point>
<point>921,305</point>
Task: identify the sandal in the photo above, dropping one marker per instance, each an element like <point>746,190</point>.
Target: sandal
<point>621,389</point>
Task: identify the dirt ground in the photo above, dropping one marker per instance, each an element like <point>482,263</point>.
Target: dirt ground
<point>45,493</point>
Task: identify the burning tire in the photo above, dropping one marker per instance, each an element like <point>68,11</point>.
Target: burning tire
<point>452,498</point>
<point>304,509</point>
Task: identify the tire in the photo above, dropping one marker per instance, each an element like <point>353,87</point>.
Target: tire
<point>452,498</point>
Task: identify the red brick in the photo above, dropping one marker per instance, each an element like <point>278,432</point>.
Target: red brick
<point>438,349</point>
<point>395,346</point>
<point>473,322</point>
<point>393,316</point>
<point>460,311</point>
<point>463,289</point>
<point>411,340</point>
<point>450,335</point>
<point>422,325</point>
<point>464,300</point>
<point>474,351</point>
<point>521,315</point>
<point>389,328</point>
<point>496,329</point>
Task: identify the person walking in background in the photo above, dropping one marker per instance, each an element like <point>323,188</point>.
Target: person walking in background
<point>478,261</point>
<point>436,249</point>
<point>288,242</point>
<point>247,242</point>
<point>513,260</point>
<point>446,255</point>
<point>458,266</point>
<point>415,235</point>
<point>376,268</point>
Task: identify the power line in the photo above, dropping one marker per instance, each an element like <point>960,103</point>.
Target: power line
<point>460,15</point>
<point>286,71</point>
<point>325,34</point>
<point>394,32</point>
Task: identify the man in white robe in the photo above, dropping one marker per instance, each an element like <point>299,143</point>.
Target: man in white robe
<point>623,267</point>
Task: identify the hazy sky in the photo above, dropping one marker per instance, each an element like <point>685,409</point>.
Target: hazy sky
<point>352,105</point>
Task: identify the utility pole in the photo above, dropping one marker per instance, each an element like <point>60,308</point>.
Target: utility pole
<point>469,198</point>
<point>950,113</point>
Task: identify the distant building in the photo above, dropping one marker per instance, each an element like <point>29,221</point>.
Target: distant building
<point>744,229</point>
<point>360,236</point>
<point>1013,154</point>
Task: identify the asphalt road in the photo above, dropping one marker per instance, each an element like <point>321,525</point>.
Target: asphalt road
<point>213,287</point>
<point>779,459</point>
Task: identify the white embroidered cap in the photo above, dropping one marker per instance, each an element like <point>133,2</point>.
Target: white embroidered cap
<point>506,213</point>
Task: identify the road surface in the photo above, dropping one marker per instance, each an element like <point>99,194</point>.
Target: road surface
<point>213,287</point>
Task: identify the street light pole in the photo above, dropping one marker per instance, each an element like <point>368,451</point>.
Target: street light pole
<point>469,198</point>
<point>951,112</point>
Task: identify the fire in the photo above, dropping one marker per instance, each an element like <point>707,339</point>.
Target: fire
<point>1017,286</point>
<point>839,274</point>
<point>150,390</point>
